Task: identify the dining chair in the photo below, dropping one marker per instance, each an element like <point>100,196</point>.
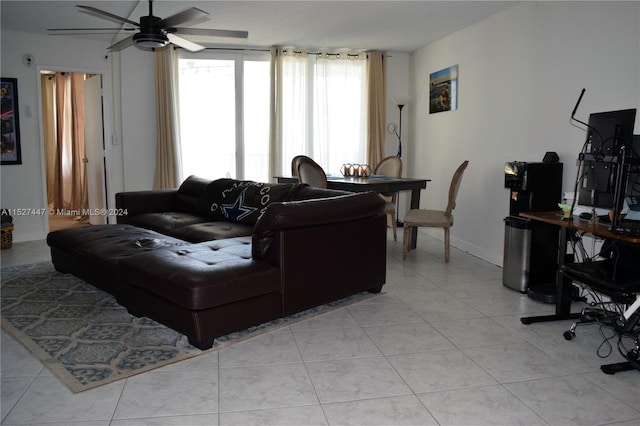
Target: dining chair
<point>391,167</point>
<point>297,160</point>
<point>434,218</point>
<point>311,173</point>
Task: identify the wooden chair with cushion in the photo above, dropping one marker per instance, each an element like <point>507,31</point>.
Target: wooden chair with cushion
<point>434,218</point>
<point>311,173</point>
<point>392,167</point>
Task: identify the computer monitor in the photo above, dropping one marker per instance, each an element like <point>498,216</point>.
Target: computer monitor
<point>610,130</point>
<point>607,133</point>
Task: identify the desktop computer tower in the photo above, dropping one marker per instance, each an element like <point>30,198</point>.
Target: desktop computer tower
<point>531,247</point>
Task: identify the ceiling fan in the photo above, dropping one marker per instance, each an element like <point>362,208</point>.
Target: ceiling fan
<point>154,32</point>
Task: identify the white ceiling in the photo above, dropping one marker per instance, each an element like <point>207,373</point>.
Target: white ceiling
<point>361,25</point>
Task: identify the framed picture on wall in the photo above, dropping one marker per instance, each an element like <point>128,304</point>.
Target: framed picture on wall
<point>443,90</point>
<point>9,124</point>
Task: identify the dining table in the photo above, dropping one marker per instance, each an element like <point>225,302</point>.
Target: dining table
<point>376,183</point>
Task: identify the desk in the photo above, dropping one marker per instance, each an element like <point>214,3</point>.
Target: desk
<point>564,294</point>
<point>374,183</point>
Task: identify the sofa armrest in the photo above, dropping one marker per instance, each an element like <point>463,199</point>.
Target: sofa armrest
<point>140,202</point>
<point>312,213</point>
<point>326,249</point>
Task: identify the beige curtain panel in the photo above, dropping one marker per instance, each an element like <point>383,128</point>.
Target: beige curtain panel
<point>63,128</point>
<point>376,107</point>
<point>168,172</point>
<point>275,108</point>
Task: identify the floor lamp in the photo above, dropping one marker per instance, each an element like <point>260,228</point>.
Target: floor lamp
<point>398,133</point>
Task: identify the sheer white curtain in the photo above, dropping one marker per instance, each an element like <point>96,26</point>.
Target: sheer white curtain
<point>321,108</point>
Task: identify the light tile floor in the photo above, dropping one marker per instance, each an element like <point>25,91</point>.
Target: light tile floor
<point>442,346</point>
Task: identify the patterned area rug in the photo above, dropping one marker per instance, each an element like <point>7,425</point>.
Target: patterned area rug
<point>86,339</point>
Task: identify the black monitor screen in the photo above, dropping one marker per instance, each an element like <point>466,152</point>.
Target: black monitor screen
<point>608,132</point>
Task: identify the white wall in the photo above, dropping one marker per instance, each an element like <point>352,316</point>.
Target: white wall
<point>520,74</point>
<point>398,86</point>
<point>398,64</point>
<point>138,106</point>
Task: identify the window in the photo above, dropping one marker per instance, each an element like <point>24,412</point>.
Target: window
<point>224,115</point>
<point>323,110</point>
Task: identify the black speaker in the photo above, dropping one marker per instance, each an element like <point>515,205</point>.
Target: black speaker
<point>550,157</point>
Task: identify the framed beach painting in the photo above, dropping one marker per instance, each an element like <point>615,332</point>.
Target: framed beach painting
<point>9,124</point>
<point>443,90</point>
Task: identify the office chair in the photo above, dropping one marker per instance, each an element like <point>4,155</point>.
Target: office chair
<point>391,167</point>
<point>311,173</point>
<point>434,218</point>
<point>614,285</point>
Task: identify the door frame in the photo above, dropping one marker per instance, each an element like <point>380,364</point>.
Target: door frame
<point>106,120</point>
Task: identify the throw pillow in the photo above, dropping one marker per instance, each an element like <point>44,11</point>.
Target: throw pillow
<point>244,201</point>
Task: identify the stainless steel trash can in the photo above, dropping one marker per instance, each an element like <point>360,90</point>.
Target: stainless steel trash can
<point>517,253</point>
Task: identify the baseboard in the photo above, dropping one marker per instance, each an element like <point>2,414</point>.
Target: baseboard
<point>472,249</point>
<point>21,237</point>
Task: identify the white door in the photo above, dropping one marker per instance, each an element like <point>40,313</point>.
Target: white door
<point>94,149</point>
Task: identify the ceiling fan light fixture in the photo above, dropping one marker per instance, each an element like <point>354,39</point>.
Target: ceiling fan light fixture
<point>150,40</point>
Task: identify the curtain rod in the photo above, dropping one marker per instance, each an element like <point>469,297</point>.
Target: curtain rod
<point>241,49</point>
<point>238,49</point>
<point>337,55</point>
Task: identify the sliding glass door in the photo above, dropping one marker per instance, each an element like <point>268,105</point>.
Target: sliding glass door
<point>224,115</point>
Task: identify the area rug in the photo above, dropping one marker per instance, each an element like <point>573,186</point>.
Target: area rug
<point>87,340</point>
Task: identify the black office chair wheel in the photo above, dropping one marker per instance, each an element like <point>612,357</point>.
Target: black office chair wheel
<point>568,335</point>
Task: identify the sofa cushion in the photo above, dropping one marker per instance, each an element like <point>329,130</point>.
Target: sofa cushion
<point>202,276</point>
<point>243,201</point>
<point>165,222</point>
<point>107,244</point>
<point>93,252</point>
<point>213,230</point>
<point>189,194</point>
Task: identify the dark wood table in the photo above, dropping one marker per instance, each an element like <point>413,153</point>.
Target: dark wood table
<point>374,183</point>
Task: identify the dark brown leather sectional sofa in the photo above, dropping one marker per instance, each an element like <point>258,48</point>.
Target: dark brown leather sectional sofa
<point>214,257</point>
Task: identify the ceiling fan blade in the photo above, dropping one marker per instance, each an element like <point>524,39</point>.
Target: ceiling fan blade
<point>60,31</point>
<point>184,43</point>
<point>212,33</point>
<point>102,14</point>
<point>122,44</point>
<point>183,17</point>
